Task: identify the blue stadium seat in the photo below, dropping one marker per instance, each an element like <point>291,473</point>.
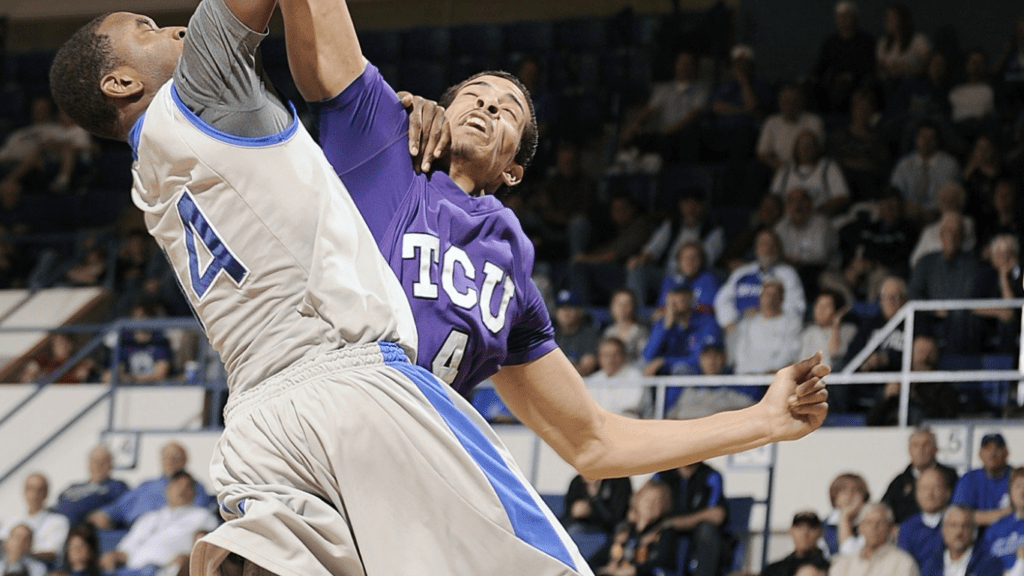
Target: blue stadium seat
<point>426,43</point>
<point>641,187</point>
<point>478,39</point>
<point>381,46</point>
<point>530,37</point>
<point>556,502</point>
<point>850,419</point>
<point>997,392</point>
<point>589,542</point>
<point>864,309</point>
<point>491,407</point>
<point>590,34</point>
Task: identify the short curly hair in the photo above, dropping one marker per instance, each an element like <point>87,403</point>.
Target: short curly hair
<point>75,80</point>
<point>528,142</point>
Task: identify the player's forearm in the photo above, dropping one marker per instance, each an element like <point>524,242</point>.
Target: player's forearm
<point>323,49</point>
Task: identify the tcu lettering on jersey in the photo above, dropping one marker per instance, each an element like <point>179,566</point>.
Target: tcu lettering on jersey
<point>426,249</point>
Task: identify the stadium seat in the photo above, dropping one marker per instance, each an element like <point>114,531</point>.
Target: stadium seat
<point>589,35</point>
<point>530,37</point>
<point>491,406</point>
<point>426,43</point>
<point>556,502</point>
<point>589,542</point>
<point>482,39</point>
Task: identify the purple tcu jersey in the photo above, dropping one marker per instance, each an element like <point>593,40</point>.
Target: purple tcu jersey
<point>463,261</point>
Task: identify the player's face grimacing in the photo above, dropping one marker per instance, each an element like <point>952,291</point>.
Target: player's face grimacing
<point>487,118</point>
<point>146,51</point>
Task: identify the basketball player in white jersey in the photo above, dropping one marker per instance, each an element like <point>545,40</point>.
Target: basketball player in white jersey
<point>338,455</point>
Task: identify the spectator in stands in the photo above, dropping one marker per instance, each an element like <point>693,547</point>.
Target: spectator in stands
<point>878,247</point>
<point>150,495</point>
<point>949,275</point>
<point>565,203</point>
<point>90,265</point>
<point>983,170</point>
<point>901,495</point>
<point>1002,214</point>
<point>164,536</point>
<point>657,260</point>
<point>927,399</point>
<point>606,385</point>
<point>545,106</point>
<point>805,531</point>
<point>1010,69</point>
<point>669,124</point>
<point>692,272</point>
<point>769,339</point>
<point>921,174</point>
<point>16,559</point>
<point>698,513</point>
<point>952,200</point>
<point>848,493</point>
<point>81,498</point>
<point>575,332</point>
<point>778,136</point>
<point>49,529</point>
<point>21,156</point>
<point>877,555</point>
<point>596,273</point>
<point>737,102</point>
<point>596,505</point>
<point>1004,537</point>
<point>740,294</point>
<point>1002,278</point>
<point>900,52</point>
<point>973,103</point>
<point>686,403</point>
<point>818,175</point>
<point>145,354</point>
<point>986,490</point>
<point>888,356</point>
<point>625,326</point>
<point>60,348</point>
<point>72,150</point>
<point>81,553</point>
<point>827,332</point>
<point>919,534</point>
<point>846,59</point>
<point>640,545</point>
<point>139,272</point>
<point>960,553</point>
<point>676,341</point>
<point>860,149</point>
<point>809,242</point>
<point>741,248</point>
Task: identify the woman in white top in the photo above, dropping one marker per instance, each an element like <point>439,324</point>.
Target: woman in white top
<point>900,51</point>
<point>811,170</point>
<point>624,326</point>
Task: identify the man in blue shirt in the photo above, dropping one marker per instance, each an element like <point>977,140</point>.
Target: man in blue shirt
<point>675,343</point>
<point>985,489</point>
<point>920,534</point>
<point>81,498</point>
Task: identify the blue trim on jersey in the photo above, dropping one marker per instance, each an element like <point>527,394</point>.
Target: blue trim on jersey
<point>251,142</point>
<point>133,135</point>
<point>528,521</point>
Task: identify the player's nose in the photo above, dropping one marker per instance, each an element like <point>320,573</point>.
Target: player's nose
<point>178,32</point>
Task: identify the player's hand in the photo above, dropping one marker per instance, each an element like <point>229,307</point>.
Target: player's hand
<point>796,402</point>
<point>429,133</point>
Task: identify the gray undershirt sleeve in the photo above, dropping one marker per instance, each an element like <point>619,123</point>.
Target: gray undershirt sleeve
<point>216,76</point>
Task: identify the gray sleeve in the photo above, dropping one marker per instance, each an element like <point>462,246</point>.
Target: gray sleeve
<point>217,79</point>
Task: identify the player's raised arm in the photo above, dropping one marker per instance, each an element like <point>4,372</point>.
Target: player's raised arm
<point>549,396</point>
<point>323,51</point>
<point>253,13</point>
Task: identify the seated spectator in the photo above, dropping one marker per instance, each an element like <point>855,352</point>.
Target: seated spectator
<point>625,327</point>
<point>778,136</point>
<point>920,535</point>
<point>692,272</point>
<point>973,103</point>
<point>49,529</point>
<point>1003,214</point>
<point>737,104</point>
<point>150,495</point>
<point>596,273</point>
<point>81,498</point>
<point>921,174</point>
<point>741,248</point>
<point>575,332</point>
<point>606,385</point>
<point>676,341</point>
<point>90,266</point>
<point>951,203</point>
<point>845,60</point>
<point>983,170</point>
<point>1002,278</point>
<point>1004,537</point>
<point>900,495</point>
<point>60,349</point>
<point>901,52</point>
<point>161,537</point>
<point>927,399</point>
<point>986,490</point>
<point>657,259</point>
<point>668,126</point>
<point>22,162</point>
<point>878,555</point>
<point>565,204</point>
<point>686,403</point>
<point>698,512</point>
<point>16,559</point>
<point>874,248</point>
<point>71,149</point>
<point>81,553</point>
<point>140,274</point>
<point>827,332</point>
<point>848,493</point>
<point>740,295</point>
<point>805,531</point>
<point>949,275</point>
<point>860,149</point>
<point>596,505</point>
<point>809,243</point>
<point>921,98</point>
<point>640,545</point>
<point>888,357</point>
<point>145,354</point>
<point>770,339</point>
<point>960,553</point>
<point>818,175</point>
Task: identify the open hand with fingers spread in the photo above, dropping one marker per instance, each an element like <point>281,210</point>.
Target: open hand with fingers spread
<point>796,402</point>
<point>429,134</point>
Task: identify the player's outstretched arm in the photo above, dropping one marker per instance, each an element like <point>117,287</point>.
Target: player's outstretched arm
<point>323,50</point>
<point>549,396</point>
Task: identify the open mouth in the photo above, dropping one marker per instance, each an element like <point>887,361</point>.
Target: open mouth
<point>477,123</point>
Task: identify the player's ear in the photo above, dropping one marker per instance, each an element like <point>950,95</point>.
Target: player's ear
<point>121,83</point>
<point>512,175</point>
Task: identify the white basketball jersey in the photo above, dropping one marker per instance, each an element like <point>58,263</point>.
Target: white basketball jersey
<point>266,242</point>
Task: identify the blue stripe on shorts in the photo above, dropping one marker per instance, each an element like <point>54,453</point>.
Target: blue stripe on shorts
<point>528,521</point>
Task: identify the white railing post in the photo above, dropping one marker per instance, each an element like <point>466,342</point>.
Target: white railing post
<point>908,343</point>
